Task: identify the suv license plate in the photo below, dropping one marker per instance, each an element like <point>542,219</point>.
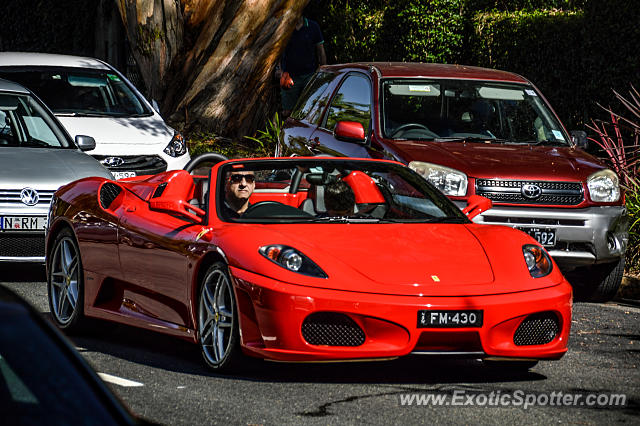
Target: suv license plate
<point>122,175</point>
<point>545,236</point>
<point>22,223</point>
<point>449,319</point>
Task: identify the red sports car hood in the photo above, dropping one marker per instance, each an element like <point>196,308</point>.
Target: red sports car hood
<point>400,259</point>
<point>490,160</point>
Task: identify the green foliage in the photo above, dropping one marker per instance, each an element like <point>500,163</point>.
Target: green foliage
<point>403,30</point>
<point>261,145</point>
<point>633,209</point>
<point>268,139</point>
<point>513,5</point>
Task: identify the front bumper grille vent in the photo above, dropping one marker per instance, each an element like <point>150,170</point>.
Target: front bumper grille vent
<point>21,245</point>
<point>141,164</point>
<point>332,329</point>
<point>547,193</point>
<point>537,329</point>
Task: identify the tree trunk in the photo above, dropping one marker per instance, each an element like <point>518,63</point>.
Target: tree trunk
<point>210,63</point>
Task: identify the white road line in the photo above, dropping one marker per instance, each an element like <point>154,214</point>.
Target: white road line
<point>119,380</point>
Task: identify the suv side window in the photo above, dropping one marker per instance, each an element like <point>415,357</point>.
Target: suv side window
<point>311,99</point>
<point>352,102</point>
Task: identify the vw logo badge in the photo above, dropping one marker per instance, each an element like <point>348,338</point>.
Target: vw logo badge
<point>113,161</point>
<point>531,191</point>
<point>29,196</point>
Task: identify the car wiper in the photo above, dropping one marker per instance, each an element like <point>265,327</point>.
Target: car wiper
<point>478,139</point>
<point>82,114</point>
<point>548,143</point>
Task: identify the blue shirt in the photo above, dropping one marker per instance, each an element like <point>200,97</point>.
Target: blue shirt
<point>300,56</point>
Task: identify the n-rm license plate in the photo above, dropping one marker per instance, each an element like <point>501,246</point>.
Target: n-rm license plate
<point>449,319</point>
<point>122,175</point>
<point>22,223</point>
<point>545,236</point>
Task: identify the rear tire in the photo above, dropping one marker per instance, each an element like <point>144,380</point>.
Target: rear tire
<point>599,283</point>
<point>218,332</point>
<point>65,283</point>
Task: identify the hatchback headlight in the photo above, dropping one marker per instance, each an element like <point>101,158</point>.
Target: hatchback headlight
<point>537,260</point>
<point>449,181</point>
<point>604,186</point>
<point>177,146</point>
<point>291,259</point>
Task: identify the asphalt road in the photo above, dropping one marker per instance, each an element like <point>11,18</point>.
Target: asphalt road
<point>164,380</point>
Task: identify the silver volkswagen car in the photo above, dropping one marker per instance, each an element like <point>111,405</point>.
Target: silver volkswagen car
<point>37,156</point>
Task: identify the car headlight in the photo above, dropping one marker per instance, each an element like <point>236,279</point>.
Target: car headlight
<point>449,181</point>
<point>177,146</point>
<point>291,259</point>
<point>604,186</point>
<point>537,260</point>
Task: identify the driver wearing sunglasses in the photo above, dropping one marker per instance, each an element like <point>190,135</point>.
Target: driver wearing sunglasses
<point>238,189</point>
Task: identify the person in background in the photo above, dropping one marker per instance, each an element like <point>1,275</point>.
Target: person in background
<point>339,199</point>
<point>302,57</point>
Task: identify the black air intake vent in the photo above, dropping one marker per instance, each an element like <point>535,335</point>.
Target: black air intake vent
<point>537,329</point>
<point>108,193</point>
<point>332,329</point>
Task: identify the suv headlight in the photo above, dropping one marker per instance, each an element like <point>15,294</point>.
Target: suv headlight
<point>177,146</point>
<point>604,186</point>
<point>537,260</point>
<point>449,181</point>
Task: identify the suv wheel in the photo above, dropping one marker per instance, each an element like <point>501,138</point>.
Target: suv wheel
<point>599,283</point>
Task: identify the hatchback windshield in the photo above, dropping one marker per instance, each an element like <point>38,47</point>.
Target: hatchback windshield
<point>330,191</point>
<point>467,110</point>
<point>25,123</point>
<point>81,92</point>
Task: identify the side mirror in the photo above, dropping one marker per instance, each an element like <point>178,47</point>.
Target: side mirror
<point>476,205</point>
<point>85,143</point>
<point>579,137</point>
<point>349,131</point>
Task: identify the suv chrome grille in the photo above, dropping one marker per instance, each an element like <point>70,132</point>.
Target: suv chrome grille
<point>544,192</point>
<point>141,164</point>
<point>12,196</point>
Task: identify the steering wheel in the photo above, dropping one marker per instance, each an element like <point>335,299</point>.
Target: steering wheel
<point>207,157</point>
<point>407,126</point>
<point>273,208</point>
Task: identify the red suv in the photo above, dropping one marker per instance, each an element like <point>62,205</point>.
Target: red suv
<point>470,130</point>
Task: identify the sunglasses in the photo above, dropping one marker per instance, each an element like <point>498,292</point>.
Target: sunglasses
<point>239,178</point>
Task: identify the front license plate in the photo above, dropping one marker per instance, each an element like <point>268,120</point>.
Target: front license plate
<point>122,175</point>
<point>22,223</point>
<point>545,236</point>
<point>449,319</point>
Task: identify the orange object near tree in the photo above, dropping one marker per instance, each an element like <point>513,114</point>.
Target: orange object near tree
<point>286,82</point>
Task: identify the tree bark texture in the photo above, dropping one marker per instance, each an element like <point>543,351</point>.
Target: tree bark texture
<point>210,63</point>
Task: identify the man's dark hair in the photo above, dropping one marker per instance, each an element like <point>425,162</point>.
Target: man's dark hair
<point>338,196</point>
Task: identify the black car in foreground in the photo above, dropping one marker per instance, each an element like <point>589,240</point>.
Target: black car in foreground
<point>43,379</point>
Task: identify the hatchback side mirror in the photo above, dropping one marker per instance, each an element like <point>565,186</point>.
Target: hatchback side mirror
<point>85,143</point>
<point>579,137</point>
<point>349,131</point>
<point>476,205</point>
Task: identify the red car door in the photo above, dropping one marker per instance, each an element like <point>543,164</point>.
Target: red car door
<point>153,250</point>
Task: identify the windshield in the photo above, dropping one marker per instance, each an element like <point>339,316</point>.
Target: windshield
<point>467,110</point>
<point>329,191</point>
<point>25,123</point>
<point>81,92</point>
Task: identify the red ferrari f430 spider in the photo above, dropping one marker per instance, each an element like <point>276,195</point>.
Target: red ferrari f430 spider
<point>303,259</point>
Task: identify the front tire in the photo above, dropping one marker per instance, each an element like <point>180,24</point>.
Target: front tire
<point>218,320</point>
<point>599,283</point>
<point>65,283</point>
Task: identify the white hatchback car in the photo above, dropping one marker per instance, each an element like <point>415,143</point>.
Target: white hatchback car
<point>92,98</point>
